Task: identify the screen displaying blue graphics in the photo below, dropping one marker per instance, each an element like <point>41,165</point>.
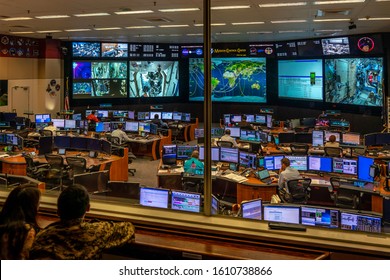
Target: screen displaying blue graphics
<point>251,209</point>
<point>354,81</point>
<point>85,49</point>
<point>154,197</point>
<point>186,201</point>
<point>298,162</point>
<point>360,222</point>
<point>114,50</point>
<point>315,216</point>
<point>300,79</point>
<point>154,79</point>
<point>364,164</point>
<point>321,164</point>
<point>233,79</point>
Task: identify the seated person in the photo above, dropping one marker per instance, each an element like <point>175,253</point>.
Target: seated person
<point>332,142</point>
<point>244,124</point>
<point>286,173</point>
<point>51,127</point>
<point>193,164</point>
<point>159,122</point>
<point>228,138</point>
<point>118,132</point>
<point>74,238</point>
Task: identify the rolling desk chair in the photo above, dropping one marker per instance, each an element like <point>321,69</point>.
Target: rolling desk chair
<point>46,132</point>
<point>78,165</point>
<point>192,183</point>
<point>342,197</point>
<point>115,141</point>
<point>298,191</point>
<point>57,170</point>
<point>224,144</point>
<point>299,149</point>
<point>35,171</point>
<point>333,151</point>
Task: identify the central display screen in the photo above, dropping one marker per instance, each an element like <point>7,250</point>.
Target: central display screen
<point>154,79</point>
<point>233,79</point>
<point>300,79</point>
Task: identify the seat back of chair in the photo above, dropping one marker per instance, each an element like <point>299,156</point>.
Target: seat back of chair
<point>299,190</point>
<point>78,165</point>
<point>225,144</point>
<point>299,149</point>
<point>333,151</point>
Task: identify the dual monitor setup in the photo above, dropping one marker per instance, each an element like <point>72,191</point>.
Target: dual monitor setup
<point>256,119</point>
<point>318,138</point>
<point>145,115</point>
<point>11,140</point>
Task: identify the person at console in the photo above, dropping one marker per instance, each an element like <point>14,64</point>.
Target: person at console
<point>73,237</point>
<point>228,138</point>
<point>156,120</point>
<point>243,124</point>
<point>92,117</point>
<point>332,142</point>
<point>286,173</point>
<point>194,165</point>
<point>118,132</point>
<point>50,126</point>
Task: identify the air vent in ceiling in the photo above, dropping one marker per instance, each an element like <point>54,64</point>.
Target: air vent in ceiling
<point>156,19</point>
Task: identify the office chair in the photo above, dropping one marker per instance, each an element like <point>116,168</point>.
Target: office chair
<point>343,197</point>
<point>116,145</point>
<point>46,132</point>
<point>130,161</point>
<point>225,144</point>
<point>299,149</point>
<point>35,171</point>
<point>57,170</point>
<point>192,184</point>
<point>298,191</point>
<point>77,165</point>
<point>333,151</point>
<point>176,132</point>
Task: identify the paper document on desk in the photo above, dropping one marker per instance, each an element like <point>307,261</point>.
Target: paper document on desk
<point>178,170</point>
<point>320,182</point>
<point>4,155</point>
<point>236,178</point>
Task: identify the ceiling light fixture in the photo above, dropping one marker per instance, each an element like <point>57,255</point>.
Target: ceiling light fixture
<point>173,25</point>
<point>274,5</point>
<point>230,7</point>
<point>228,33</point>
<point>248,23</point>
<point>107,28</point>
<point>378,18</point>
<point>331,20</point>
<point>337,2</point>
<point>49,31</point>
<point>140,27</point>
<point>289,21</point>
<point>16,18</point>
<point>21,32</point>
<point>92,15</point>
<point>291,31</point>
<point>134,12</point>
<point>52,17</point>
<point>259,32</point>
<point>211,24</point>
<point>77,30</point>
<point>179,10</point>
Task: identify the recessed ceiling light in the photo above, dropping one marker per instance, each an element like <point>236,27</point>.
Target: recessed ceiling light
<point>16,18</point>
<point>291,31</point>
<point>107,28</point>
<point>328,30</point>
<point>248,23</point>
<point>92,15</point>
<point>331,20</point>
<point>49,31</point>
<point>173,25</point>
<point>78,30</point>
<point>289,21</point>
<point>52,16</point>
<point>21,32</point>
<point>259,32</point>
<point>378,18</point>
<point>211,24</point>
<point>140,27</point>
<point>195,34</point>
<point>230,7</point>
<point>178,10</point>
<point>337,2</point>
<point>273,5</point>
<point>228,33</point>
<point>134,12</point>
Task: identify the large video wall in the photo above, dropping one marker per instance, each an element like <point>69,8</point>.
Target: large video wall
<point>345,71</point>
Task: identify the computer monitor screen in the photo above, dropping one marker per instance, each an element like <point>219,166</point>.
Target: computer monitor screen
<point>217,132</point>
<point>263,136</point>
<point>250,118</point>
<point>317,138</point>
<point>235,118</point>
<point>62,142</point>
<point>350,138</point>
<point>382,139</point>
<point>185,151</point>
<point>8,116</point>
<point>214,205</point>
<point>302,137</point>
<point>335,133</point>
<point>102,113</point>
<point>228,154</point>
<point>322,217</point>
<point>364,164</point>
<point>248,160</point>
<point>261,119</point>
<point>269,121</point>
<point>103,126</point>
<point>270,162</point>
<point>286,137</point>
<point>234,131</point>
<point>360,222</point>
<point>252,209</point>
<point>153,197</point>
<point>249,135</point>
<point>114,50</point>
<point>120,114</point>
<point>278,162</point>
<point>169,149</point>
<point>226,119</point>
<point>94,144</point>
<point>214,153</point>
<point>42,118</point>
<point>70,124</point>
<point>153,128</point>
<point>346,166</point>
<point>143,116</point>
<point>106,147</point>
<point>78,143</point>
<point>45,145</point>
<point>298,162</point>
<point>167,115</point>
<point>186,117</point>
<point>59,123</point>
<point>85,49</point>
<point>131,126</point>
<point>114,125</point>
<point>321,164</point>
<point>282,214</point>
<point>186,201</point>
<point>335,46</point>
<point>93,181</point>
<point>131,115</point>
<point>176,116</point>
<point>152,115</point>
<point>199,133</point>
<point>144,127</point>
<point>14,140</point>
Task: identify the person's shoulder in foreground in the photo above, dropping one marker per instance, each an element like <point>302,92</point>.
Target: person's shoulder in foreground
<point>74,238</point>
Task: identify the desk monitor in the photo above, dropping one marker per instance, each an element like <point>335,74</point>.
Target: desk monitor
<point>3,139</point>
<point>278,162</point>
<point>143,116</point>
<point>214,153</point>
<point>103,127</point>
<point>346,166</point>
<point>143,127</point>
<point>217,132</point>
<point>14,140</point>
<point>93,181</point>
<point>382,139</point>
<point>88,112</point>
<point>153,197</point>
<point>269,121</point>
<point>184,151</point>
<point>318,216</point>
<point>298,162</point>
<point>261,120</point>
<point>70,124</point>
<point>106,147</point>
<point>4,124</point>
<point>303,137</point>
<point>214,205</point>
<point>186,201</point>
<point>102,113</point>
<point>114,125</point>
<point>250,118</point>
<point>186,117</point>
<point>153,113</point>
<point>62,142</point>
<point>351,138</point>
<point>286,137</point>
<point>228,154</point>
<point>94,144</point>
<point>282,213</point>
<point>176,116</point>
<point>199,132</point>
<point>42,118</point>
<point>61,151</point>
<point>169,149</point>
<point>8,116</point>
<point>167,115</point>
<point>317,138</point>
<point>45,145</point>
<point>252,209</point>
<point>249,135</point>
<point>263,136</point>
<point>364,165</point>
<point>248,160</point>
<point>131,126</point>
<point>78,143</point>
<point>59,123</point>
<point>320,164</point>
<point>120,114</point>
<point>235,118</point>
<point>273,162</point>
<point>335,133</point>
<point>360,222</point>
<point>260,162</point>
<point>234,131</point>
<point>226,119</point>
<point>370,139</point>
<point>153,128</point>
<point>131,115</point>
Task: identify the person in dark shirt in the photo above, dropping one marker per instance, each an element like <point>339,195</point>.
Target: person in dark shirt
<point>73,237</point>
<point>243,124</point>
<point>156,120</point>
